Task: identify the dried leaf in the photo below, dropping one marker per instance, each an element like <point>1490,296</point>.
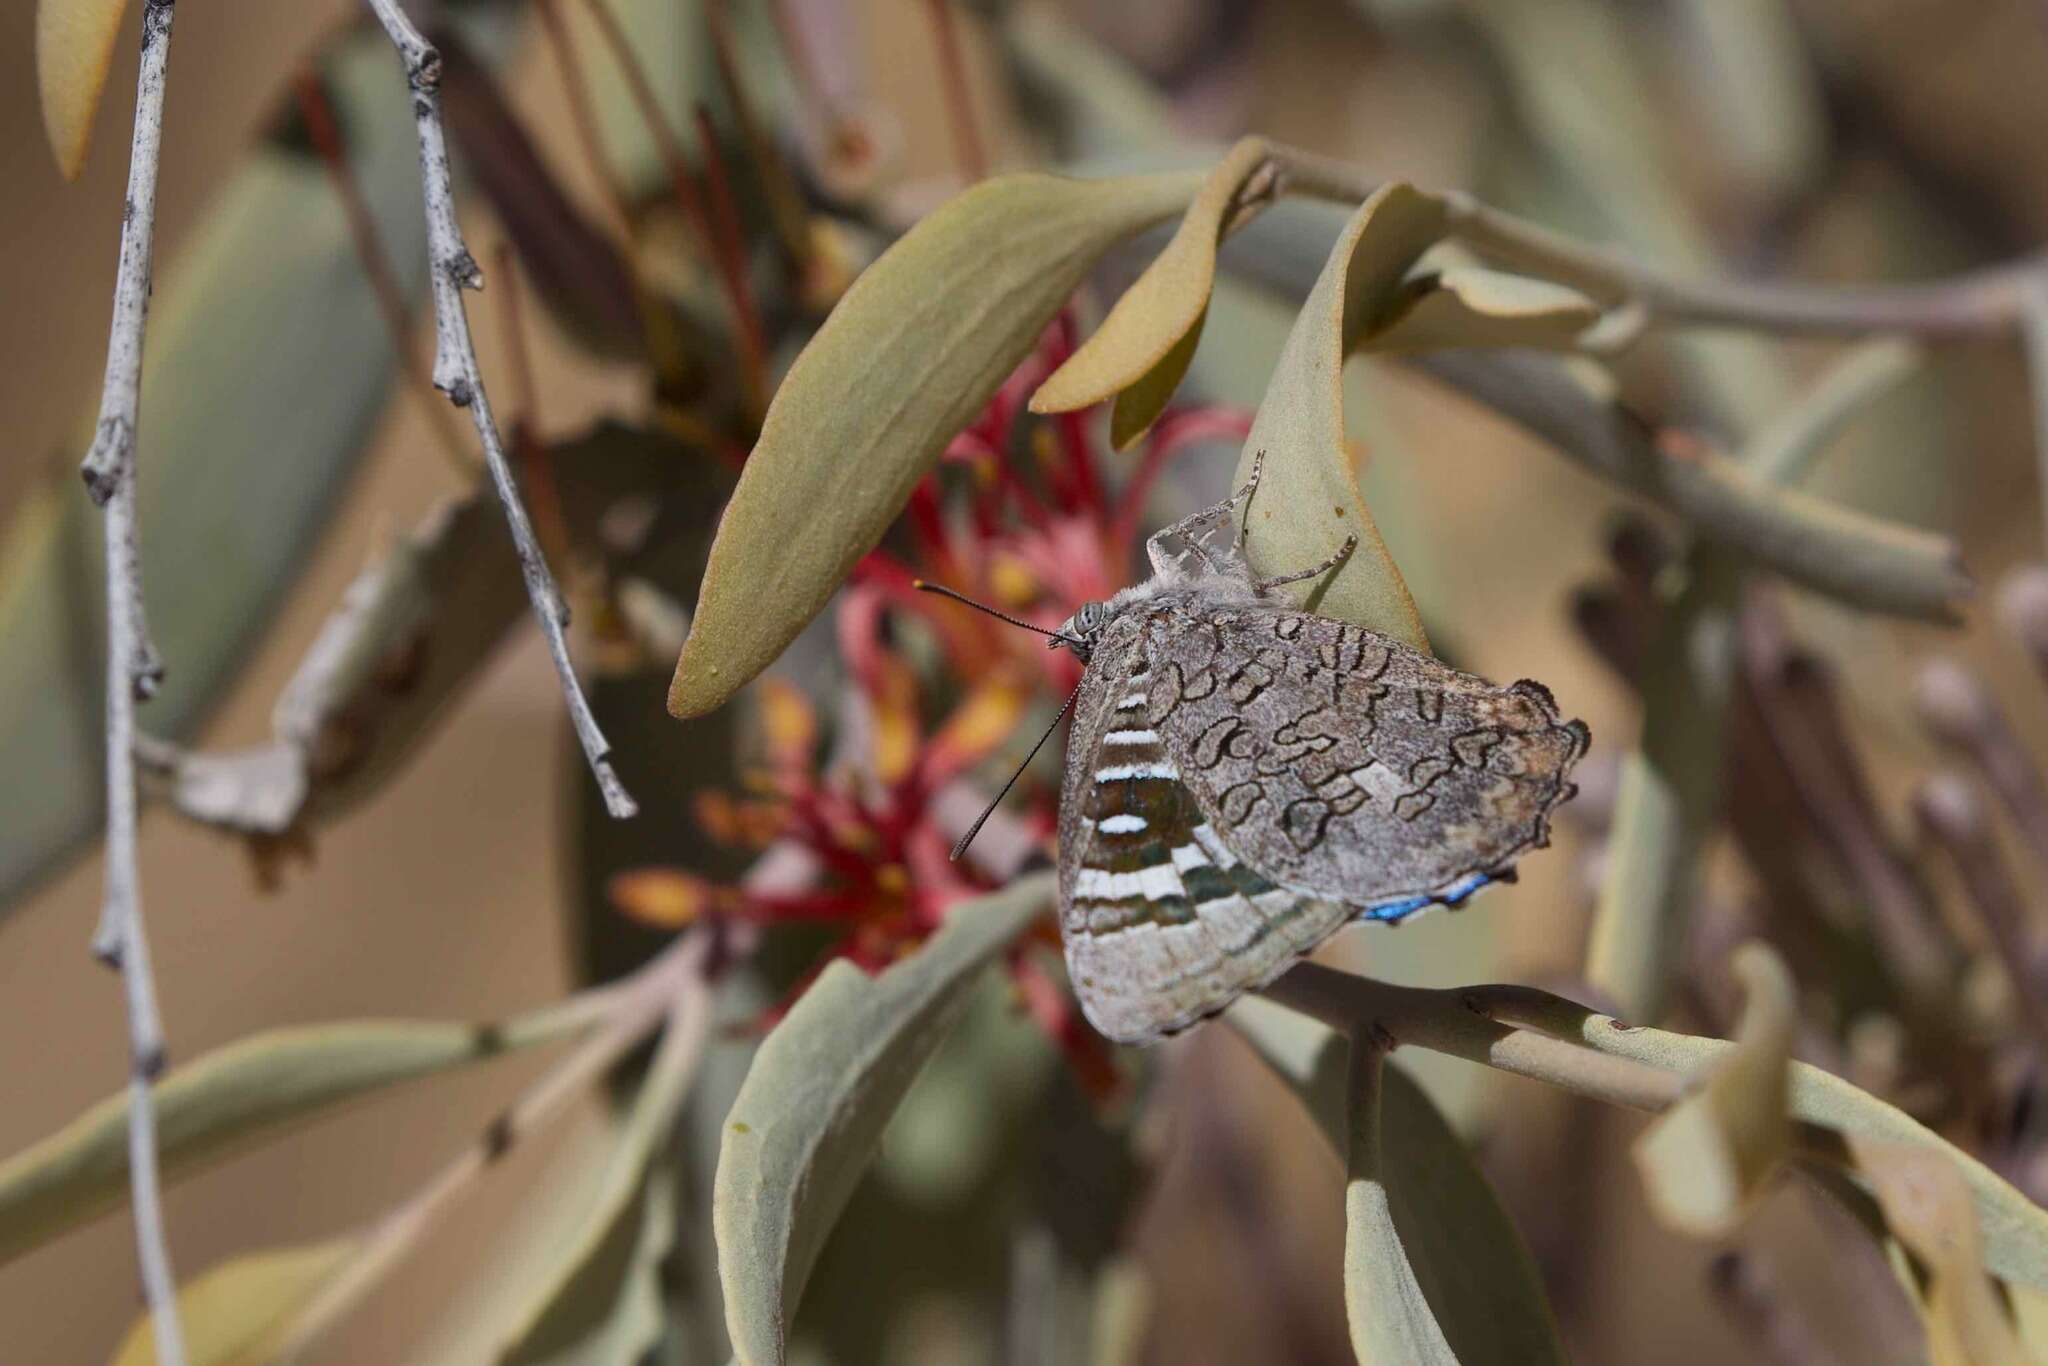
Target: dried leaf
<point>232,1097</point>
<point>912,352</point>
<point>1927,1206</point>
<point>810,1115</point>
<point>1149,336</point>
<point>74,48</point>
<point>1470,307</point>
<point>239,1312</point>
<point>1706,1159</point>
<point>1309,501</point>
<point>1478,1285</point>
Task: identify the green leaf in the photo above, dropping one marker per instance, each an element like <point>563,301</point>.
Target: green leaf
<point>1704,1161</point>
<point>232,1097</point>
<point>1309,501</point>
<point>911,353</point>
<point>812,1110</point>
<point>266,369</point>
<point>1417,1197</point>
<point>1470,307</point>
<point>602,1288</point>
<point>239,1312</point>
<point>1145,343</point>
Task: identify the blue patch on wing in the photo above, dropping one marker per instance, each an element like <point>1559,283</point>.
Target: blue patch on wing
<point>1390,912</point>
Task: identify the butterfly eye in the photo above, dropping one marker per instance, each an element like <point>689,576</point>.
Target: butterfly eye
<point>1090,616</point>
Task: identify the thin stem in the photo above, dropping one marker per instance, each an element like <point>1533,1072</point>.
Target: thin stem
<point>785,197</point>
<point>1990,303</point>
<point>2034,344</point>
<point>133,672</point>
<point>1446,1022</point>
<point>456,374</point>
<point>321,127</point>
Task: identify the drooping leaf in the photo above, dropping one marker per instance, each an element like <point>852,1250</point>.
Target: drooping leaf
<point>234,1096</point>
<point>1391,1319</point>
<point>1706,1159</point>
<point>1144,345</point>
<point>251,419</point>
<point>1478,1284</point>
<point>812,1110</point>
<point>237,1313</point>
<point>1927,1207</point>
<point>598,1289</point>
<point>74,48</point>
<point>1471,307</point>
<point>912,351</point>
<point>2014,1228</point>
<point>1308,502</point>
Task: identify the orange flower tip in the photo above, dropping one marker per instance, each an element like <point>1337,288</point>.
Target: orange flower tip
<point>892,878</point>
<point>661,897</point>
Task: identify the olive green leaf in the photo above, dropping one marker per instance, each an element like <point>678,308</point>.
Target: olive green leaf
<point>1308,502</point>
<point>239,1312</point>
<point>1417,1198</point>
<point>235,1095</point>
<point>1470,307</point>
<point>1143,347</point>
<point>74,47</point>
<point>1927,1206</point>
<point>598,1287</point>
<point>912,351</point>
<point>1705,1160</point>
<point>811,1112</point>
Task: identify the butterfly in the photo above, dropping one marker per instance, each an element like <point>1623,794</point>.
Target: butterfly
<point>1244,778</point>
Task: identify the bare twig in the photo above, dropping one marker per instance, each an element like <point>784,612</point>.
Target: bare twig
<point>1959,709</point>
<point>456,374</point>
<point>133,672</point>
<point>967,148</point>
<point>310,91</point>
<point>1948,809</point>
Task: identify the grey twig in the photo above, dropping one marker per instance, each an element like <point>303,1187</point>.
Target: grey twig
<point>452,270</point>
<point>133,672</point>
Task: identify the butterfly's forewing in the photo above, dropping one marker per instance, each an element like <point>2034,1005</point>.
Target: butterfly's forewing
<point>1344,764</point>
<point>1163,923</point>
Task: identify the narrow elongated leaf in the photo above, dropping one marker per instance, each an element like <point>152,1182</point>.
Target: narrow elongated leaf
<point>1309,501</point>
<point>912,352</point>
<point>1391,1319</point>
<point>1467,307</point>
<point>266,367</point>
<point>812,1110</point>
<point>237,1313</point>
<point>74,48</point>
<point>1149,336</point>
<point>231,1098</point>
<point>1478,1283</point>
<point>1706,1159</point>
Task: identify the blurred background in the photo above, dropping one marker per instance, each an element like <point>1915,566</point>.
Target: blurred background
<point>1827,140</point>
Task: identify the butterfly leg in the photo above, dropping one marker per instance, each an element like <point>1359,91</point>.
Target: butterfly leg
<point>1343,554</point>
<point>1197,541</point>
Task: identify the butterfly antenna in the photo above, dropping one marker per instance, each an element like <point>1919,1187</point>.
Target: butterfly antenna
<point>923,587</point>
<point>990,809</point>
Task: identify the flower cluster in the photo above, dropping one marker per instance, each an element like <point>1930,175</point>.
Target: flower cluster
<point>1018,515</point>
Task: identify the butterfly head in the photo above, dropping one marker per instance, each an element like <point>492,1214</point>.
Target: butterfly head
<point>1077,633</point>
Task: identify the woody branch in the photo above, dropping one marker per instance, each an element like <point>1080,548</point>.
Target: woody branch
<point>452,269</point>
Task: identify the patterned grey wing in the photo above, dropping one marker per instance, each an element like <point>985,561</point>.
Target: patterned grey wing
<point>1163,924</point>
<point>1343,764</point>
